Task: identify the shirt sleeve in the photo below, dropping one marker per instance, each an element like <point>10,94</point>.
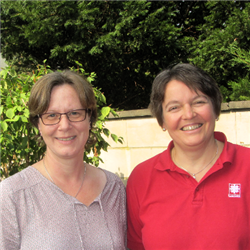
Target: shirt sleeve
<point>134,223</point>
<point>124,214</point>
<point>9,229</point>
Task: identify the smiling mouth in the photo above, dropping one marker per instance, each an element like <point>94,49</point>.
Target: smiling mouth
<point>192,127</point>
<point>66,139</point>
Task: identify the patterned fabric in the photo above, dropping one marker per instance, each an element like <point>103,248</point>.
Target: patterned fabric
<point>36,214</point>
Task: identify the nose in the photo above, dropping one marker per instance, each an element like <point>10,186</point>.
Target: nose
<point>188,112</point>
<point>64,122</point>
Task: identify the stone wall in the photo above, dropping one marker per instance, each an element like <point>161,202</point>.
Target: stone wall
<point>143,137</point>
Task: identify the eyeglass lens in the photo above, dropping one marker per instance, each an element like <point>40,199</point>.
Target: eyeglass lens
<point>73,116</point>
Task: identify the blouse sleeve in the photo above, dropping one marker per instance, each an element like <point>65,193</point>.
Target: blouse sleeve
<point>124,214</point>
<point>134,223</point>
<point>9,229</point>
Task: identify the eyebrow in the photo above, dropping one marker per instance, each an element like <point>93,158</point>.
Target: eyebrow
<point>54,111</point>
<point>196,97</point>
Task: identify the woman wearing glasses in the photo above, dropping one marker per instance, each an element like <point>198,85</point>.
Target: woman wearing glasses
<point>61,202</point>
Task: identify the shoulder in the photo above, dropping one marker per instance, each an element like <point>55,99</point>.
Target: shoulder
<point>101,173</point>
<point>237,150</point>
<point>232,152</point>
<point>112,178</point>
<point>143,174</point>
<point>20,181</point>
<point>238,153</point>
<point>229,146</point>
<point>114,190</point>
<point>147,167</point>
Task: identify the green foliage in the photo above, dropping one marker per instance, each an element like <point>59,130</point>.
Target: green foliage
<point>19,138</point>
<point>226,22</point>
<point>240,88</point>
<point>126,43</point>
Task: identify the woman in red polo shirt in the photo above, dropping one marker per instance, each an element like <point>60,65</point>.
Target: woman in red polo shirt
<point>196,194</point>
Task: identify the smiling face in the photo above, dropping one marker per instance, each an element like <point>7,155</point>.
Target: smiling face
<point>66,139</point>
<point>188,116</point>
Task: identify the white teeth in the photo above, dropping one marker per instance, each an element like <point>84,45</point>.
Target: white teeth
<point>191,127</point>
<point>66,139</point>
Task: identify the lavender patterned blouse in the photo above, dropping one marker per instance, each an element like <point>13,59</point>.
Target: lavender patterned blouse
<point>36,214</point>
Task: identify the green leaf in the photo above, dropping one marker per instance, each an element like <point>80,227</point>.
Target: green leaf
<point>106,132</point>
<point>24,119</point>
<point>121,140</point>
<point>19,108</point>
<point>26,113</point>
<point>4,126</point>
<point>10,113</point>
<point>105,111</point>
<point>15,119</point>
<point>98,124</point>
<point>114,137</point>
<point>102,98</point>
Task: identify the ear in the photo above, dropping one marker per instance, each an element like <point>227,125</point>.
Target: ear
<point>164,126</point>
<point>40,132</point>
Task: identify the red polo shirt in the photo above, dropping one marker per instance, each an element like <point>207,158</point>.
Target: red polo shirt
<point>168,209</point>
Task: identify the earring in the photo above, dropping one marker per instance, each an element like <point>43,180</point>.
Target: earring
<point>164,129</point>
<point>217,119</point>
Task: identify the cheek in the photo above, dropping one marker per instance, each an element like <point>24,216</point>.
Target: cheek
<point>46,132</point>
<point>170,121</point>
<point>208,114</point>
<point>84,128</point>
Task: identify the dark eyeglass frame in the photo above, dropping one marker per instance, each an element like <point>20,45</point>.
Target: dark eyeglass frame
<point>87,111</point>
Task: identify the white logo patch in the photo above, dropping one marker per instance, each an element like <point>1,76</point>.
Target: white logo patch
<point>234,190</point>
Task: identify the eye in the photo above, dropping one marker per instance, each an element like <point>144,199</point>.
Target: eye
<point>173,108</point>
<point>51,116</point>
<point>200,102</point>
<point>74,113</point>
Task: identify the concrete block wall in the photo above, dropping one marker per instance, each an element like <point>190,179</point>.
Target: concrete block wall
<point>143,137</point>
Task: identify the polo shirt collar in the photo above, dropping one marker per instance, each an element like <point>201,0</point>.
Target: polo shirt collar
<point>226,156</point>
<point>165,161</point>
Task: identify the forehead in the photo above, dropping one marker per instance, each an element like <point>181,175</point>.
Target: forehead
<point>64,96</point>
<point>65,90</point>
<point>176,88</point>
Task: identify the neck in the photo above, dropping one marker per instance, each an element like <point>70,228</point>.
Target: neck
<point>61,184</point>
<point>195,159</point>
<point>64,170</point>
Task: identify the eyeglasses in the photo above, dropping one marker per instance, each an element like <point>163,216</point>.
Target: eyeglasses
<point>76,115</point>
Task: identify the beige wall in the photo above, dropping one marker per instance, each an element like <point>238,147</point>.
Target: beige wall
<point>143,137</point>
<point>2,63</point>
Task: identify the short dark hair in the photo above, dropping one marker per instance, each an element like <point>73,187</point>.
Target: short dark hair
<point>193,77</point>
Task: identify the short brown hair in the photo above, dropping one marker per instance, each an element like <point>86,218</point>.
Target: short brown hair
<point>194,78</point>
<point>41,92</point>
